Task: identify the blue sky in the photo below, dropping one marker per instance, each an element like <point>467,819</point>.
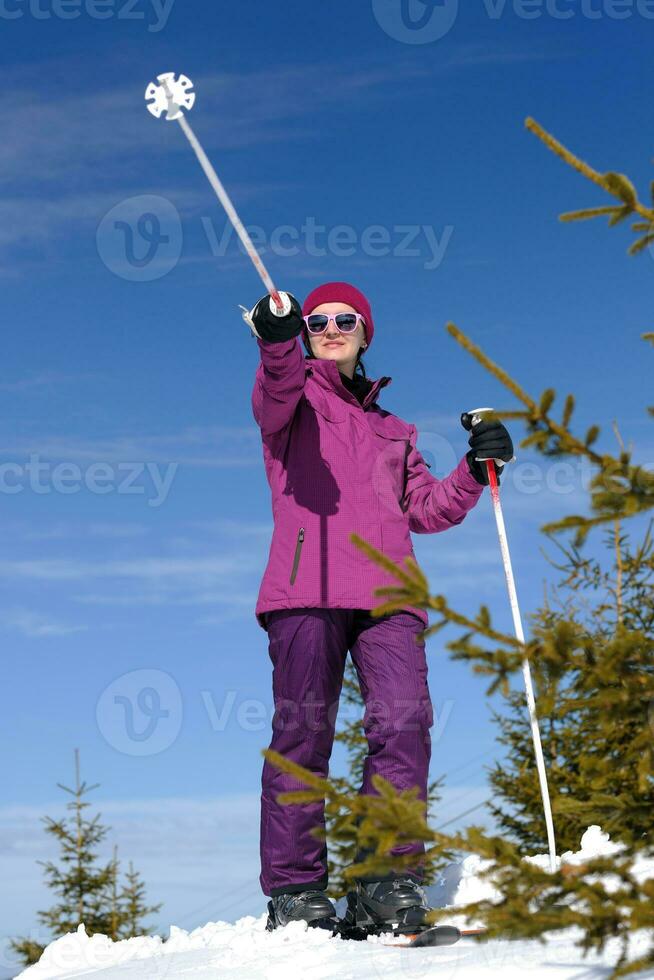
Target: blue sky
<point>145,551</point>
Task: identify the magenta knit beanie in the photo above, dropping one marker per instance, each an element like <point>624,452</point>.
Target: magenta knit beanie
<point>341,292</point>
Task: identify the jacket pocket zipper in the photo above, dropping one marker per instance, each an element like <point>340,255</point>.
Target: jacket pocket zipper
<point>298,551</point>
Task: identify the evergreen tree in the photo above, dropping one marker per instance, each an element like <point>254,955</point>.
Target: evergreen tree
<point>80,881</point>
<point>599,600</point>
<point>87,889</point>
<point>516,803</point>
<point>133,906</point>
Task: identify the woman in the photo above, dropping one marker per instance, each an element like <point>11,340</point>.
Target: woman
<point>336,463</point>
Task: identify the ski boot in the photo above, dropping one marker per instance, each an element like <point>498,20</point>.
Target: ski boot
<point>396,905</point>
<point>311,905</point>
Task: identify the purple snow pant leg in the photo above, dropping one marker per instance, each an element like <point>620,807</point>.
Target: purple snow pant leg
<point>308,650</point>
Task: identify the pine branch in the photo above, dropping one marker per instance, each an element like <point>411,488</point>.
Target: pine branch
<point>587,213</point>
<point>619,489</point>
<point>618,185</point>
<point>416,593</point>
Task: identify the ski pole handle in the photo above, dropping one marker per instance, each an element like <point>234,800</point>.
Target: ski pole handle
<point>283,309</point>
<point>473,417</point>
<point>469,420</point>
<point>280,304</point>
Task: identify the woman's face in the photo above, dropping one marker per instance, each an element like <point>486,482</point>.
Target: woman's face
<point>335,346</point>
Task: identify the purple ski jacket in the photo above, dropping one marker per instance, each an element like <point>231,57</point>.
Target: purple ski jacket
<point>336,466</point>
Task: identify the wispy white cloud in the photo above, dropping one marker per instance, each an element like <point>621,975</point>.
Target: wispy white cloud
<point>78,131</point>
<point>222,584</point>
<point>78,135</point>
<point>226,597</point>
<point>42,218</point>
<point>68,570</point>
<point>144,823</point>
<point>37,219</point>
<point>473,55</point>
<point>81,129</point>
<point>234,528</point>
<point>46,379</point>
<point>230,608</point>
<point>201,446</point>
<point>215,569</point>
<point>34,625</point>
<point>64,531</point>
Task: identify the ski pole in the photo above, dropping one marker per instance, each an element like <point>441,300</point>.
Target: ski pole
<point>473,418</point>
<point>171,96</point>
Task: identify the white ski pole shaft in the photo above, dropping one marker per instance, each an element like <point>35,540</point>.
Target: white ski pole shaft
<point>169,97</point>
<point>475,416</point>
<point>526,670</point>
<point>226,202</point>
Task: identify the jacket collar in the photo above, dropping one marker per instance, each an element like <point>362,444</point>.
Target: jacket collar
<point>325,372</point>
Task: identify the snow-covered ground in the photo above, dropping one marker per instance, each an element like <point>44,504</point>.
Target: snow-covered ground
<point>245,951</point>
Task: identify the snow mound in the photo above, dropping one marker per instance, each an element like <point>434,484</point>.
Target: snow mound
<point>465,885</point>
<point>245,951</point>
<point>229,945</point>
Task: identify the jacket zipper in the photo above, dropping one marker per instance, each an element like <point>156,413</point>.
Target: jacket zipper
<point>298,551</point>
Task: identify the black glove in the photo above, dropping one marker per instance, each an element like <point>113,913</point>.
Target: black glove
<point>276,329</point>
<point>489,440</point>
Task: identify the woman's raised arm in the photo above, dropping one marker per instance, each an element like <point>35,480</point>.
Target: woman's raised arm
<point>280,376</point>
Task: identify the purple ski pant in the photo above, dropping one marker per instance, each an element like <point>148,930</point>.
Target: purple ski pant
<point>308,649</point>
